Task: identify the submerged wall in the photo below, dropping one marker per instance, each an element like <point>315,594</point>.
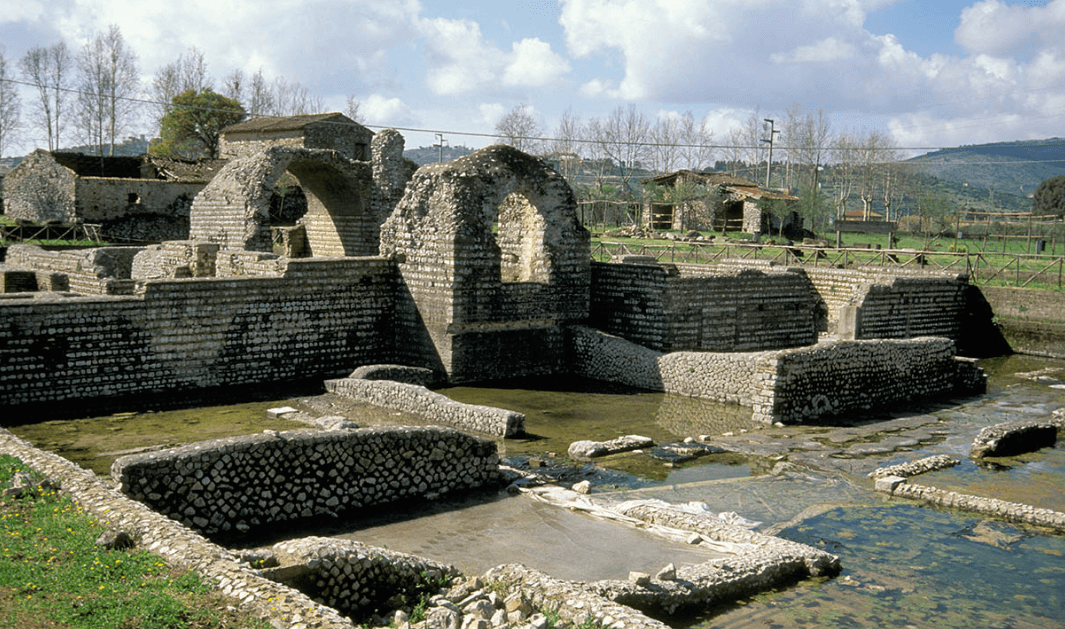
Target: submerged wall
<point>247,482</point>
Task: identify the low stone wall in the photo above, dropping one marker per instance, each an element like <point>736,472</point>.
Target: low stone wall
<point>179,546</point>
<point>1009,511</point>
<point>414,398</point>
<point>253,481</point>
<point>353,578</point>
<point>1032,321</point>
<point>787,386</point>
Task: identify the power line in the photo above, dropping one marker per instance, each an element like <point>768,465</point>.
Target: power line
<point>587,141</point>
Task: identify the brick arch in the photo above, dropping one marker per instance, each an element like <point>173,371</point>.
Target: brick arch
<point>234,209</point>
<point>501,296</point>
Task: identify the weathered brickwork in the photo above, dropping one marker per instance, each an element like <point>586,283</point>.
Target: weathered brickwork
<point>492,262</point>
<point>234,209</point>
<point>704,308</point>
<point>102,271</point>
<point>241,483</point>
<point>330,131</point>
<point>322,318</point>
<point>868,303</point>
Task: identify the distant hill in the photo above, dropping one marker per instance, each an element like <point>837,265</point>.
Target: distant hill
<point>431,154</point>
<point>1015,168</point>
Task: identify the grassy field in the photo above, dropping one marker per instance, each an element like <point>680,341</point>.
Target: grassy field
<point>986,264</point>
<point>52,574</point>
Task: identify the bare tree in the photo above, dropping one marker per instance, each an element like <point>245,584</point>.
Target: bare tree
<point>567,146</point>
<point>623,137</point>
<point>233,86</point>
<point>519,129</point>
<point>260,96</point>
<point>734,152</point>
<point>49,70</point>
<point>352,107</point>
<point>109,81</point>
<point>755,150</point>
<point>666,136</point>
<point>10,122</point>
<point>696,152</point>
<point>187,72</point>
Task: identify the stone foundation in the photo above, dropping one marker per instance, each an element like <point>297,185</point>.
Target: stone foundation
<point>788,386</point>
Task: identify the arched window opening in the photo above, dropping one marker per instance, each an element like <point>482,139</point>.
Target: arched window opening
<point>520,236</point>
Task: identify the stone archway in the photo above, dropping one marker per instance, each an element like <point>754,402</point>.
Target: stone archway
<point>234,209</point>
<point>493,262</point>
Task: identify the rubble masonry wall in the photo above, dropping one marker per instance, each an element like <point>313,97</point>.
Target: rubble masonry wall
<point>789,385</point>
<point>240,483</point>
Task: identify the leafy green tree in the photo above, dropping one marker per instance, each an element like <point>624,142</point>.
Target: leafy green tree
<point>1049,197</point>
<point>814,206</point>
<point>194,124</point>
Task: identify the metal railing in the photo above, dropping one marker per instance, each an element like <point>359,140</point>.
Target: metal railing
<point>50,231</point>
<point>1009,269</point>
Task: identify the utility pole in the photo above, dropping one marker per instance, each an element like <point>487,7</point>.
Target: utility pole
<point>440,143</point>
<point>769,166</point>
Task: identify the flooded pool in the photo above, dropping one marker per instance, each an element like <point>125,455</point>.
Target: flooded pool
<point>904,565</point>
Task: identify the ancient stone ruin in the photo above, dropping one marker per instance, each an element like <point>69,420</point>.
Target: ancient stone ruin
<point>475,269</point>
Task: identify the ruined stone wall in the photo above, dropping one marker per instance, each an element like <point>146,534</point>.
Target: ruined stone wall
<point>39,189</point>
<point>842,376</point>
<point>868,303</point>
<point>492,261</point>
<point>322,319</point>
<point>704,308</point>
<point>789,386</point>
<point>233,211</point>
<point>416,399</point>
<point>102,199</point>
<point>240,483</point>
<point>97,271</point>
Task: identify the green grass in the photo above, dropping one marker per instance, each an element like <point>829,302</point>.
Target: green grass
<point>53,575</point>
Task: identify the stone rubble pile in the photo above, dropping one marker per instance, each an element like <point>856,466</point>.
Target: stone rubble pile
<point>1014,437</point>
<point>592,449</point>
<point>238,483</point>
<point>913,468</point>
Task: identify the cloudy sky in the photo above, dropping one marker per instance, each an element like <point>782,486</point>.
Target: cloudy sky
<point>932,73</point>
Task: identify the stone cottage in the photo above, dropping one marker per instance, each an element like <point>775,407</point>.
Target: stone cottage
<point>333,131</point>
<point>735,208</point>
<point>143,198</point>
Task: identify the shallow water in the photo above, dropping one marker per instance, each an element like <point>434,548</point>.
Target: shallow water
<point>904,565</point>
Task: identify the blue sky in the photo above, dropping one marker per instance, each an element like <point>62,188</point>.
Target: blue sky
<point>929,73</point>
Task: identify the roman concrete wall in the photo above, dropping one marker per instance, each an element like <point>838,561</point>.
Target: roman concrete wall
<point>416,399</point>
<point>704,308</point>
<point>868,304</point>
<point>789,386</point>
<point>492,261</point>
<point>321,319</point>
<point>241,483</point>
<point>1032,321</point>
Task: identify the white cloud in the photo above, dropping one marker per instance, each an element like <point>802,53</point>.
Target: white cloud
<point>461,61</point>
<point>828,49</point>
<point>534,64</point>
<point>993,27</point>
<point>491,113</point>
<point>384,111</point>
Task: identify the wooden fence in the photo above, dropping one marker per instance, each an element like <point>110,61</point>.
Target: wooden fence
<point>1020,270</point>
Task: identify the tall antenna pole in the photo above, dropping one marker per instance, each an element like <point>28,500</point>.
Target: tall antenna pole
<point>440,142</point>
<point>772,131</point>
